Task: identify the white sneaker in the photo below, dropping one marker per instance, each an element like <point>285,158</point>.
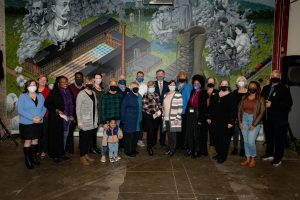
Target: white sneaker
<point>276,164</point>
<point>112,160</point>
<point>266,158</point>
<point>117,158</point>
<point>103,159</point>
<point>140,143</point>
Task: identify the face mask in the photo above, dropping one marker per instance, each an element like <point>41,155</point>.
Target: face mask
<point>122,87</point>
<point>113,88</point>
<point>135,90</point>
<point>122,82</point>
<point>275,80</point>
<point>89,86</point>
<point>197,86</point>
<point>252,90</point>
<point>98,82</point>
<point>160,78</point>
<point>140,79</point>
<point>210,85</point>
<point>79,82</point>
<point>182,80</point>
<point>31,88</point>
<point>151,90</point>
<point>172,87</point>
<point>224,88</point>
<point>241,84</point>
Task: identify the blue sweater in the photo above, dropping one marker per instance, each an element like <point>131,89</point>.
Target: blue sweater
<point>28,110</point>
<point>185,91</point>
<point>131,112</point>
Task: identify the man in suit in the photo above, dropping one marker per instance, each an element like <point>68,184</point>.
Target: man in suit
<point>161,88</point>
<point>61,29</point>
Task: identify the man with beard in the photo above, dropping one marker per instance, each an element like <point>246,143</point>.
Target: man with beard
<point>37,18</point>
<point>61,29</point>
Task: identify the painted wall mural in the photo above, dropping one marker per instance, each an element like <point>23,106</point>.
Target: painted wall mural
<point>220,38</point>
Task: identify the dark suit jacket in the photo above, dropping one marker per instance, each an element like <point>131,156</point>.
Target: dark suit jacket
<point>164,91</point>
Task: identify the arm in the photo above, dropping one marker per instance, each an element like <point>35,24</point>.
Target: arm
<point>202,106</point>
<point>123,109</point>
<point>186,97</point>
<point>43,108</point>
<point>103,109</point>
<point>120,134</point>
<point>261,112</point>
<point>231,110</point>
<point>78,109</point>
<point>180,104</point>
<point>285,102</point>
<point>21,110</point>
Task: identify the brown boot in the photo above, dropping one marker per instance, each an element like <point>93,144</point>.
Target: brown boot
<point>84,161</point>
<point>89,158</point>
<point>246,162</point>
<point>252,162</point>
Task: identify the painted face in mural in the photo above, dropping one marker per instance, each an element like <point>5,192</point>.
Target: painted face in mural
<point>238,31</point>
<point>62,10</point>
<point>37,11</point>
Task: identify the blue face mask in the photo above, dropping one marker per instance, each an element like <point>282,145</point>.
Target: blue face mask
<point>196,86</point>
<point>151,90</point>
<point>122,87</point>
<point>139,79</point>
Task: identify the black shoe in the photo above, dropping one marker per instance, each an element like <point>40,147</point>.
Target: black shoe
<point>28,163</point>
<point>196,155</point>
<point>34,157</point>
<point>234,151</point>
<point>242,153</point>
<point>136,152</point>
<point>97,149</point>
<point>188,153</point>
<point>92,150</point>
<point>150,151</point>
<point>221,160</point>
<point>168,152</point>
<point>56,159</point>
<point>216,157</point>
<point>130,154</point>
<point>171,154</point>
<point>64,157</point>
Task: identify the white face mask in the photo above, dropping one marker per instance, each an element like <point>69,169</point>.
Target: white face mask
<point>151,90</point>
<point>172,87</point>
<point>241,84</point>
<point>31,88</point>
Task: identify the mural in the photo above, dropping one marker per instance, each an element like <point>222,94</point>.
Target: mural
<point>220,38</point>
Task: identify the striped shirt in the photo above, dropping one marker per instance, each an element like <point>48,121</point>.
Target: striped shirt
<point>151,103</point>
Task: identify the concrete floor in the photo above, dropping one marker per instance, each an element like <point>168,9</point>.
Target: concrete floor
<point>144,177</point>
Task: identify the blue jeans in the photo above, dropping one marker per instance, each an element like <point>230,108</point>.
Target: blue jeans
<point>249,136</point>
<point>113,149</point>
<point>66,133</point>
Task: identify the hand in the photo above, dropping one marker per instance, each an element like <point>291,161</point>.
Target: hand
<point>176,122</point>
<point>120,137</point>
<point>154,116</point>
<point>105,126</point>
<point>251,127</point>
<point>80,125</point>
<point>268,103</point>
<point>229,125</point>
<point>71,118</point>
<point>241,126</point>
<point>36,119</point>
<point>208,121</point>
<point>59,112</point>
<point>199,123</point>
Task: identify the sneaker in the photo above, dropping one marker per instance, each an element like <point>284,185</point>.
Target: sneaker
<point>140,143</point>
<point>103,159</point>
<point>112,160</point>
<point>276,163</point>
<point>117,158</point>
<point>266,158</point>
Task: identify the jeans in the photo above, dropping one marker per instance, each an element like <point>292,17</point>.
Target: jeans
<point>113,149</point>
<point>249,136</point>
<point>66,133</point>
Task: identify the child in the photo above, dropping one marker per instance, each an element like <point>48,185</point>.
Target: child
<point>111,136</point>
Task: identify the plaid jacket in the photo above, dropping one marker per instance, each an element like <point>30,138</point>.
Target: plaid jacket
<point>111,106</point>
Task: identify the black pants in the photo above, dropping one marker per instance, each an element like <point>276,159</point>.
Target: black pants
<point>276,136</point>
<point>162,133</point>
<point>181,135</point>
<point>84,140</point>
<point>43,137</point>
<point>130,140</point>
<point>238,133</point>
<point>171,138</point>
<point>150,125</point>
<point>222,141</point>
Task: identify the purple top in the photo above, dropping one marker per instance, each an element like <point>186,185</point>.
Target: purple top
<point>68,104</point>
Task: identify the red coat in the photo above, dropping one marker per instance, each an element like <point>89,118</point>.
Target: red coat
<point>45,94</point>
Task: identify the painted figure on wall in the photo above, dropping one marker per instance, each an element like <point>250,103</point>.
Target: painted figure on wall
<point>61,28</point>
<point>38,20</point>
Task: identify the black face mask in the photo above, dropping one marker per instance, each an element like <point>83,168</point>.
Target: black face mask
<point>113,88</point>
<point>89,86</point>
<point>252,90</point>
<point>275,80</point>
<point>135,89</point>
<point>182,80</point>
<point>224,88</point>
<point>210,85</point>
<point>79,82</point>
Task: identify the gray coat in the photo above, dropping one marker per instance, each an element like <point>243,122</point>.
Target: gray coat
<point>84,111</point>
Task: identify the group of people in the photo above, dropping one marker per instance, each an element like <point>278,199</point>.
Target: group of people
<point>174,113</point>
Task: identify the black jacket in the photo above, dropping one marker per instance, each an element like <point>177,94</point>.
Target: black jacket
<point>281,102</point>
<point>202,105</point>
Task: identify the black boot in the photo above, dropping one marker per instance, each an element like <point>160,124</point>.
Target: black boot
<point>28,163</point>
<point>33,154</point>
<point>150,151</point>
